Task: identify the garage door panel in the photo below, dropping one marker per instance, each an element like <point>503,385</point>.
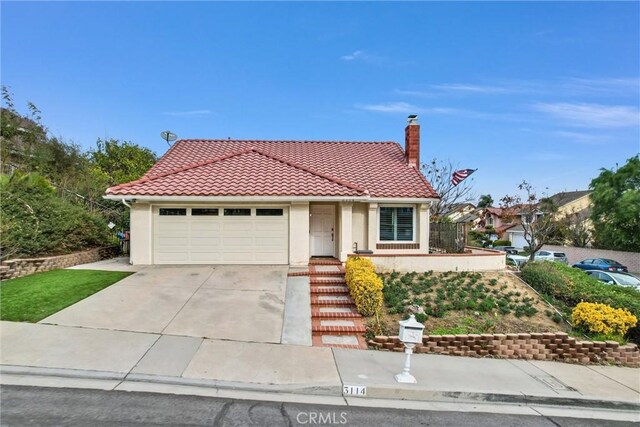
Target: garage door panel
<point>182,242</point>
<point>212,243</point>
<point>221,239</point>
<point>166,227</point>
<point>270,242</point>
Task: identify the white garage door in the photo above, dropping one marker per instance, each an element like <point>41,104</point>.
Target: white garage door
<point>220,235</point>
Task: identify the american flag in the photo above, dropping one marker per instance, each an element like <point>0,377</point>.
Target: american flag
<point>461,175</point>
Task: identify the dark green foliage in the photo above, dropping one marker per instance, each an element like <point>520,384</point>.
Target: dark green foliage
<point>502,243</point>
<point>37,222</point>
<point>60,207</point>
<point>421,317</point>
<point>616,207</point>
<point>570,286</point>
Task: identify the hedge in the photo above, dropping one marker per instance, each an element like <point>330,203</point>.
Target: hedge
<point>364,285</point>
<point>502,243</point>
<point>572,286</point>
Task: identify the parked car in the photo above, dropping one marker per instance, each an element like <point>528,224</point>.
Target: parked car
<point>518,260</point>
<point>551,256</point>
<point>600,264</point>
<point>508,249</point>
<point>615,278</point>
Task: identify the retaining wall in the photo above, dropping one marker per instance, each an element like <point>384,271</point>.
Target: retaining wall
<point>13,268</point>
<point>474,259</point>
<point>538,346</point>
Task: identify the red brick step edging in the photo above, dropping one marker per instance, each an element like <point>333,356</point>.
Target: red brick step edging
<point>538,346</point>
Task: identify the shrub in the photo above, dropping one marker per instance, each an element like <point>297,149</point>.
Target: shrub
<point>35,221</point>
<point>364,285</point>
<point>502,243</point>
<point>571,286</point>
<point>603,319</point>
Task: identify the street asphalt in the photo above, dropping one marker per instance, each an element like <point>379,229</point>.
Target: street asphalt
<point>27,406</point>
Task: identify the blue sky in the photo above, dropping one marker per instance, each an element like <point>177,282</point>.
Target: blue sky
<point>547,92</point>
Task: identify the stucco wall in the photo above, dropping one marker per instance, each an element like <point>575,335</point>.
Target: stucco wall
<point>299,234</point>
<point>575,206</point>
<point>477,260</point>
<point>630,259</point>
<point>360,225</point>
<point>141,233</point>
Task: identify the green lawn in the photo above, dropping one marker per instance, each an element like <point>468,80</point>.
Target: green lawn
<point>32,298</point>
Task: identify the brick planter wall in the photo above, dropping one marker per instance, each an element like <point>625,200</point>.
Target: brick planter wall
<point>13,268</point>
<point>538,346</point>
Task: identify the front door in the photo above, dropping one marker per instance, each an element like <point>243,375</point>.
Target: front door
<point>322,225</point>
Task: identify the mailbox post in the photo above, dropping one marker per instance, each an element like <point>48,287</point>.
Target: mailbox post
<point>410,334</point>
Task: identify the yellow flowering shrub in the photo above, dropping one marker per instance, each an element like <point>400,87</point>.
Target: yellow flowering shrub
<point>602,318</point>
<point>364,285</point>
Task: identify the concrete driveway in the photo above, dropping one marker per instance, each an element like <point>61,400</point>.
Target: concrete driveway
<point>240,302</point>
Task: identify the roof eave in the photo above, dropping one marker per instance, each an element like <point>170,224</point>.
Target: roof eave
<point>161,198</point>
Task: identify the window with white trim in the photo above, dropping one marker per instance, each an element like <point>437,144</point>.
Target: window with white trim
<point>396,224</point>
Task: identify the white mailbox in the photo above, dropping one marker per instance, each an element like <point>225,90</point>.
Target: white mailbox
<point>410,334</point>
<point>411,330</point>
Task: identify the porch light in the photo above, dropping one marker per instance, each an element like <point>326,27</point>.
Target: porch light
<point>410,334</point>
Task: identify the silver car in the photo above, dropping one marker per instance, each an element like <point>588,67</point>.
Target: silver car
<point>613,278</point>
<point>551,256</point>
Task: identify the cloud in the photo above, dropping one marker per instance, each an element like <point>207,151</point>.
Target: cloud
<point>582,137</point>
<point>192,113</point>
<point>362,56</point>
<point>472,88</point>
<point>404,107</point>
<point>390,107</point>
<point>358,54</point>
<point>591,115</point>
<point>602,86</point>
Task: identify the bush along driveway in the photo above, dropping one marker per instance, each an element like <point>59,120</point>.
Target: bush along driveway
<point>34,297</point>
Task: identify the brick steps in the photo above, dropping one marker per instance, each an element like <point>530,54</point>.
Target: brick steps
<point>329,290</point>
<point>317,314</point>
<point>324,261</point>
<point>327,281</point>
<point>339,300</point>
<point>334,319</point>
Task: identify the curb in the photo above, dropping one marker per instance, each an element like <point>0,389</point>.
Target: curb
<point>327,390</point>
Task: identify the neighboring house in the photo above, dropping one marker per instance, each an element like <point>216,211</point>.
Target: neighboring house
<point>571,202</point>
<point>279,202</point>
<point>498,219</point>
<point>459,210</point>
<point>465,214</point>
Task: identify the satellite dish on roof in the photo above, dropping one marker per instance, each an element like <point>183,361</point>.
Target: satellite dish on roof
<point>168,136</point>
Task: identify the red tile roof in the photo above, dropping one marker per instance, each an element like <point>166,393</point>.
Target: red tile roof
<point>280,168</point>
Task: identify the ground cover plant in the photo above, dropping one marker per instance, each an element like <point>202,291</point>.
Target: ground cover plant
<point>566,287</point>
<point>462,303</point>
<point>32,298</point>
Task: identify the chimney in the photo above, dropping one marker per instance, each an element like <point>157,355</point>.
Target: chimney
<point>412,141</point>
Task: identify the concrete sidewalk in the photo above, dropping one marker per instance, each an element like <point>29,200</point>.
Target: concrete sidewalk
<point>36,354</point>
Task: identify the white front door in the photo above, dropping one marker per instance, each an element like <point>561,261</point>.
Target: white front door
<point>322,225</point>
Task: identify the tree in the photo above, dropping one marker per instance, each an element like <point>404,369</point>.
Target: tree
<point>616,207</point>
<point>439,174</point>
<point>574,229</point>
<point>121,161</point>
<point>539,223</point>
<point>485,201</point>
